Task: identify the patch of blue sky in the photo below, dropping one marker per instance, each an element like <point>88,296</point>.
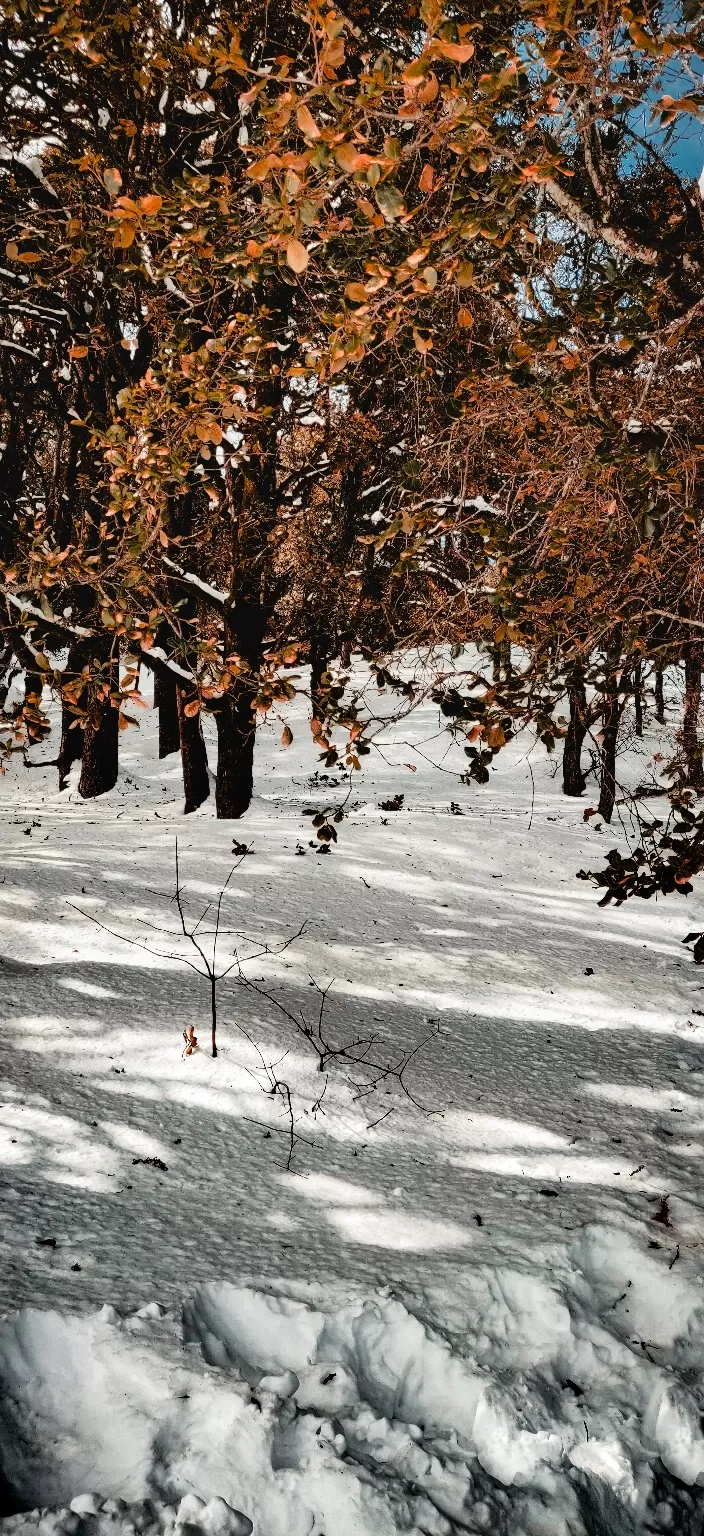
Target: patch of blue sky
<point>679,143</point>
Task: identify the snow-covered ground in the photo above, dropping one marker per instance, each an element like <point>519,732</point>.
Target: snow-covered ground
<point>471,1300</point>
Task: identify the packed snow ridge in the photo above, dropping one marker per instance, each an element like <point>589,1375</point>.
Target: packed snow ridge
<point>517,1404</point>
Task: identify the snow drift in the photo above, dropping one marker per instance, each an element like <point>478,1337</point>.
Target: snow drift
<point>520,1404</point>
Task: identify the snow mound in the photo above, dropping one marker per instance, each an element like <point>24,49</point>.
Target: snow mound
<point>91,1515</point>
<point>517,1404</point>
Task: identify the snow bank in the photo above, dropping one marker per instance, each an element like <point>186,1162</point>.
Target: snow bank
<point>543,1407</point>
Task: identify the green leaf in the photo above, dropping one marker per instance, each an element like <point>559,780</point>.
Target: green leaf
<point>389,201</point>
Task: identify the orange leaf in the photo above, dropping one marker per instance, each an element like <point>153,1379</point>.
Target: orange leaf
<point>465,318</point>
<point>417,256</point>
<point>78,351</point>
<point>460,53</point>
<point>150,204</point>
<point>427,178</point>
<point>429,91</point>
<point>347,157</point>
<point>260,169</point>
<point>357,293</point>
<point>192,708</point>
<point>306,122</point>
<point>296,256</point>
<point>124,236</point>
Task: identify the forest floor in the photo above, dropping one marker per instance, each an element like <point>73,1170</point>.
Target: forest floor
<point>461,1294</point>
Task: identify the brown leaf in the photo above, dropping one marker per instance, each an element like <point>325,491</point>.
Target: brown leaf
<point>348,158</point>
<point>306,122</point>
<point>286,736</point>
<point>417,256</point>
<point>429,91</point>
<point>427,178</point>
<point>423,343</point>
<point>459,53</point>
<point>296,256</point>
<point>124,236</point>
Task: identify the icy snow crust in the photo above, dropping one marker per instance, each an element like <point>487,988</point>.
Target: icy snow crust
<point>480,1309</point>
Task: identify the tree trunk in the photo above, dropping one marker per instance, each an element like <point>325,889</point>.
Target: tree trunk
<point>33,692</point>
<point>253,501</point>
<point>573,780</point>
<point>236,738</point>
<point>235,717</point>
<point>609,738</point>
<point>320,656</point>
<point>72,744</point>
<point>194,758</point>
<point>72,734</point>
<point>638,696</point>
<point>99,764</point>
<point>166,702</point>
<point>690,723</point>
<point>659,697</point>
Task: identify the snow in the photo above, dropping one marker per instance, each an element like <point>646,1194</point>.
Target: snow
<point>476,1305</point>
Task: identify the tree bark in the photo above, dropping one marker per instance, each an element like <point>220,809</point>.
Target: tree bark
<point>659,697</point>
<point>235,718</point>
<point>236,727</point>
<point>690,723</point>
<point>609,739</point>
<point>573,780</point>
<point>72,744</point>
<point>194,758</point>
<point>320,657</point>
<point>99,761</point>
<point>72,734</point>
<point>166,702</point>
<point>638,696</point>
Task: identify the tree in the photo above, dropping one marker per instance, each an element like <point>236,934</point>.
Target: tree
<point>460,209</point>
